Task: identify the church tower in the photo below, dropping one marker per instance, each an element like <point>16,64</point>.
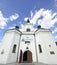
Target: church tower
<point>9,46</point>
<point>27,44</point>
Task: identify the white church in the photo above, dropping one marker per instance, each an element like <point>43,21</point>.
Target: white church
<point>28,45</point>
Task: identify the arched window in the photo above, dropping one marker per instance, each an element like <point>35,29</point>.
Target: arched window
<point>14,48</point>
<point>40,49</point>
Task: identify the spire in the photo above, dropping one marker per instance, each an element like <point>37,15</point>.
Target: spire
<point>28,21</point>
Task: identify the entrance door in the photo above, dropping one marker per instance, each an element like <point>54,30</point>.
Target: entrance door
<point>21,54</point>
<point>27,57</point>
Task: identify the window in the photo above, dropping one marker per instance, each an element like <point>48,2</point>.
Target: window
<point>27,42</point>
<point>56,43</point>
<point>28,30</point>
<point>2,51</point>
<point>14,49</point>
<point>49,45</point>
<point>52,52</point>
<point>40,49</point>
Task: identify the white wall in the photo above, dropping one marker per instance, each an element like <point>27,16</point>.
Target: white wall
<point>44,38</point>
<point>7,42</point>
<point>41,56</point>
<point>31,46</point>
<point>28,25</point>
<point>13,56</point>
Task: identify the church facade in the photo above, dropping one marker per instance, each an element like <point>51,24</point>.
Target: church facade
<point>28,45</point>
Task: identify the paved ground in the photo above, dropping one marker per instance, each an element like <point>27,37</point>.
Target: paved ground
<point>19,64</point>
<point>27,64</point>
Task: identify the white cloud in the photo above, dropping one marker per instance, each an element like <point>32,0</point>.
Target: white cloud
<point>31,14</point>
<point>54,31</point>
<point>3,20</point>
<point>13,17</point>
<point>11,27</point>
<point>55,37</point>
<point>36,16</point>
<point>45,18</point>
<point>26,18</point>
<point>22,25</point>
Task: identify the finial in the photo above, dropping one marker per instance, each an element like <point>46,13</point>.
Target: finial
<point>28,21</point>
<point>16,27</point>
<point>39,26</point>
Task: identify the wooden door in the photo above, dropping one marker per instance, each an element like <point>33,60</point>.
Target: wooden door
<point>21,54</point>
<point>29,56</point>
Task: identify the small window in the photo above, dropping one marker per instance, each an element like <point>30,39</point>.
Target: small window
<point>27,42</point>
<point>52,52</point>
<point>14,49</point>
<point>28,30</point>
<point>2,51</point>
<point>56,43</point>
<point>49,45</point>
<point>40,49</point>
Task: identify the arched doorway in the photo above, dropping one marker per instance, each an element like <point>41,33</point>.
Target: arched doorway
<point>27,57</point>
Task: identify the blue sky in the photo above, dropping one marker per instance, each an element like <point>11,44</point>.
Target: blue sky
<point>40,12</point>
